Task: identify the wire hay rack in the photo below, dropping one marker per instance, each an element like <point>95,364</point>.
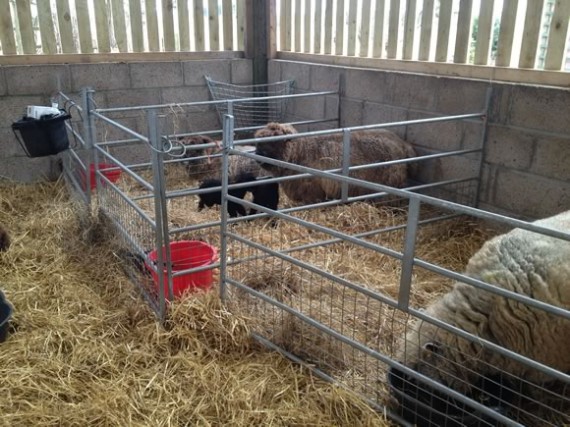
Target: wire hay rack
<point>252,112</point>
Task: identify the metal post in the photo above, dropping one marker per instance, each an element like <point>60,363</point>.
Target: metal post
<point>345,163</point>
<point>228,143</point>
<point>408,255</point>
<point>161,214</point>
<point>485,124</point>
<point>89,137</point>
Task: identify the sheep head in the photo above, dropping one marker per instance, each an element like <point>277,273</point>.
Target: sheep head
<point>273,149</point>
<point>193,165</point>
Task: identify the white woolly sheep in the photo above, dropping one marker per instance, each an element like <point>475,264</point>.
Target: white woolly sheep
<point>520,261</point>
<point>325,152</point>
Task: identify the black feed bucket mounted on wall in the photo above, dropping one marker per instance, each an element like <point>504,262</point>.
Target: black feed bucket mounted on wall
<point>44,136</point>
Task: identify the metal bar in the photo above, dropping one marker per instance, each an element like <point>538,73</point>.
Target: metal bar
<point>125,168</point>
<point>324,376</point>
<point>154,137</point>
<point>374,354</point>
<point>119,126</point>
<point>89,129</point>
<point>456,207</point>
<point>228,145</point>
<point>345,163</point>
<point>485,124</point>
<point>223,101</point>
<point>409,251</point>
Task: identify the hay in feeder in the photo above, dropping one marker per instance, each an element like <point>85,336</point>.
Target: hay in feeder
<point>85,349</point>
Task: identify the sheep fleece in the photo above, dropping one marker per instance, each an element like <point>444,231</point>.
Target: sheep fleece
<point>523,262</point>
<point>325,152</point>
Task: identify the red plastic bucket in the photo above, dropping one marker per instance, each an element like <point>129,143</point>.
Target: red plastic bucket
<point>111,175</point>
<point>186,254</point>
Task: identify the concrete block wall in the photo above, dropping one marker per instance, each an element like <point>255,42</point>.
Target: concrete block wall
<point>526,171</point>
<point>116,85</point>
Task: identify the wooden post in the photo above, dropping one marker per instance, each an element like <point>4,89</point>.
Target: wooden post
<point>260,36</point>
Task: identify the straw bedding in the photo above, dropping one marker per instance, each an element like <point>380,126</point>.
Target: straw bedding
<point>86,351</point>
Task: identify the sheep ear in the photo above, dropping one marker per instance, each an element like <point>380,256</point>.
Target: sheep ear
<point>433,347</point>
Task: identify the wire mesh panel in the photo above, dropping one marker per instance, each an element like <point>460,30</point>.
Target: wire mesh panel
<point>251,112</point>
<point>342,288</point>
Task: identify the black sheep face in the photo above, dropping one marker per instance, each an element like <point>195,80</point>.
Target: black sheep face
<point>273,149</point>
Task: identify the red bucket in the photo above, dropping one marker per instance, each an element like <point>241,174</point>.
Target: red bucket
<point>186,254</point>
<point>111,175</point>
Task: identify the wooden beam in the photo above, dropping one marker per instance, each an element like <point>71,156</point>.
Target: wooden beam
<point>65,28</point>
<point>228,23</point>
<point>317,25</point>
<point>530,34</point>
<point>102,24</point>
<point>7,29</point>
<point>409,29</point>
<point>199,24</point>
<point>365,29</point>
<point>152,26</point>
<point>328,26</point>
<point>214,20</point>
<point>47,29</point>
<point>484,35</point>
<point>557,36</point>
<point>184,25</point>
<point>84,26</point>
<point>443,28</point>
<point>463,38</point>
<point>240,17</point>
<point>119,25</point>
<point>340,24</point>
<point>378,37</point>
<point>168,25</point>
<point>307,27</point>
<point>352,11</point>
<point>425,34</point>
<point>483,73</point>
<point>260,37</point>
<point>96,58</point>
<point>25,24</point>
<point>393,29</point>
<point>506,33</point>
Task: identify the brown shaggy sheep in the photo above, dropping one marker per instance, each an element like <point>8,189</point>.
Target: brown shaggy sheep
<point>325,152</point>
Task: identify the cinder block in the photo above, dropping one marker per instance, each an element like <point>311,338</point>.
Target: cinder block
<point>460,96</point>
<point>412,91</point>
<point>100,76</point>
<point>351,112</point>
<point>541,108</point>
<point>488,179</point>
<point>9,146</point>
<point>500,102</point>
<point>12,108</point>
<point>3,88</point>
<point>105,132</point>
<point>44,80</point>
<point>367,85</point>
<point>472,134</point>
<point>443,136</point>
<point>552,157</point>
<point>24,169</point>
<point>242,71</point>
<point>331,109</point>
<point>325,78</point>
<point>131,98</point>
<point>194,71</point>
<point>300,72</point>
<point>509,147</point>
<point>156,74</point>
<point>379,113</point>
<point>312,108</point>
<point>185,94</point>
<point>527,194</point>
<point>274,70</point>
